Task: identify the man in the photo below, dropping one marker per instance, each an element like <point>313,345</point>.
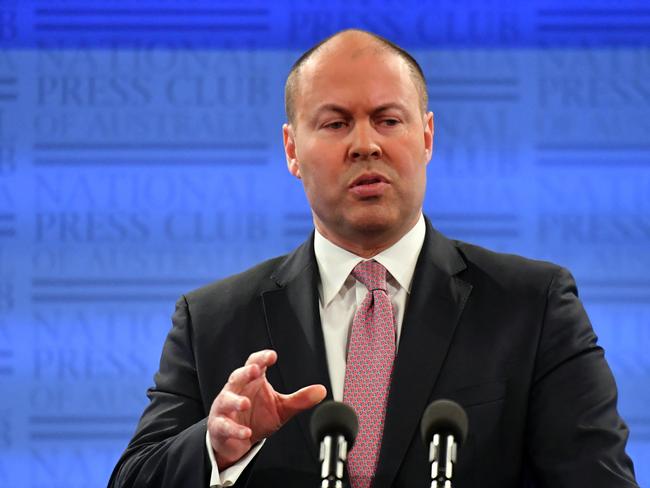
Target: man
<point>505,337</point>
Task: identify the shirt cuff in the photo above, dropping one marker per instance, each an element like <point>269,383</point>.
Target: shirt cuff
<point>229,475</point>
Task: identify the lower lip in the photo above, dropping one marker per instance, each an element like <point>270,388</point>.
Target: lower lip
<point>370,190</point>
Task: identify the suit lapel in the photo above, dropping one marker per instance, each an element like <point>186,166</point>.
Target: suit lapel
<point>434,308</point>
<point>294,327</point>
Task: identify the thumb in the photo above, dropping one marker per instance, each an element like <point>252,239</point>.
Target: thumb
<point>301,400</point>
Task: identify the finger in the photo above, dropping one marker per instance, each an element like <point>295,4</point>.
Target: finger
<point>264,358</point>
<point>225,428</point>
<point>243,376</point>
<point>228,402</point>
<point>301,400</point>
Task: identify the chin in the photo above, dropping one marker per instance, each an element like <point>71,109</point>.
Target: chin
<point>375,223</point>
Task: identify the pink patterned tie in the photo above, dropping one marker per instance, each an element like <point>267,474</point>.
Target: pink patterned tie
<point>367,373</point>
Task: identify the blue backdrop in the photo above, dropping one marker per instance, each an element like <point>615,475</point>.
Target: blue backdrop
<point>141,156</point>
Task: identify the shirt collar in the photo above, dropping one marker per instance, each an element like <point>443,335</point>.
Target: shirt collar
<point>335,263</point>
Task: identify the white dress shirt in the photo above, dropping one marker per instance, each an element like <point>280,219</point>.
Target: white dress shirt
<point>340,294</point>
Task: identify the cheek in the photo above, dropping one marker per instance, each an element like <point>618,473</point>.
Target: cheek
<point>320,184</point>
<point>322,168</point>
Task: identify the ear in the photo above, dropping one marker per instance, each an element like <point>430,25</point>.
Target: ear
<point>428,135</point>
<point>289,139</point>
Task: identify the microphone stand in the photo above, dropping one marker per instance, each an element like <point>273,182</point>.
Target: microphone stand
<point>443,454</point>
<point>333,454</point>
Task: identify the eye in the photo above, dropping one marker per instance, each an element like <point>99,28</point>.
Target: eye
<point>389,122</point>
<point>338,124</point>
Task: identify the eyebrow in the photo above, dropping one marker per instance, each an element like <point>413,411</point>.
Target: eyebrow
<point>332,107</point>
<point>389,106</point>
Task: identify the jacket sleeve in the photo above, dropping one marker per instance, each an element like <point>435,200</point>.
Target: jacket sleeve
<point>168,448</point>
<point>575,434</point>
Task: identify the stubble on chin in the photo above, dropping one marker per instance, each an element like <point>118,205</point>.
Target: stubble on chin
<point>371,223</point>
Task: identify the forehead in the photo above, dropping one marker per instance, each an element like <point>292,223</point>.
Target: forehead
<point>355,77</point>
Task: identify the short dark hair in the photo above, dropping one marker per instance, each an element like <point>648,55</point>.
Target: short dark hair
<point>414,68</point>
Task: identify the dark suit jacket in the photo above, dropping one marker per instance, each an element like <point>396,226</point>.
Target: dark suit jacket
<point>505,337</point>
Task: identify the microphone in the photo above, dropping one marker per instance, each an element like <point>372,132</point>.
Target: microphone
<point>444,429</point>
<point>334,426</point>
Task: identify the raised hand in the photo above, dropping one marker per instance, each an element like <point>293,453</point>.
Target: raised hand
<point>249,409</point>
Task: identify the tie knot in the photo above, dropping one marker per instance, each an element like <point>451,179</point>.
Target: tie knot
<point>371,274</point>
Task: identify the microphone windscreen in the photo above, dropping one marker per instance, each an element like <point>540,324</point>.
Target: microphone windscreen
<point>334,418</point>
<point>444,417</point>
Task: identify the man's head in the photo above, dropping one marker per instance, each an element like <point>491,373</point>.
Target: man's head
<point>359,138</point>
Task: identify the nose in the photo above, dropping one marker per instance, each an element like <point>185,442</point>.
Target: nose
<point>364,145</point>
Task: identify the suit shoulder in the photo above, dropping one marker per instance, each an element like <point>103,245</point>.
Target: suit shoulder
<point>509,270</point>
<point>244,285</point>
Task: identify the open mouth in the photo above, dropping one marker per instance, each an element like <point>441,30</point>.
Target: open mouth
<point>369,179</point>
<point>369,185</point>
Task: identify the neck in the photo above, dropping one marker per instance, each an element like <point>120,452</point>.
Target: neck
<point>365,244</point>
